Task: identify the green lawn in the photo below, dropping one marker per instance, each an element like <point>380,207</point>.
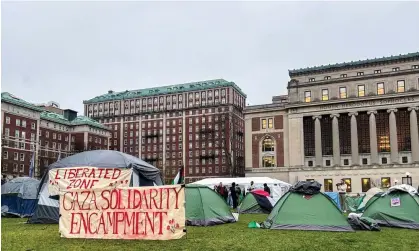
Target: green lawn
<point>15,235</point>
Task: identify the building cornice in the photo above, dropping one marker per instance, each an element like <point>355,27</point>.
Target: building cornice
<point>264,108</point>
<point>296,84</point>
<point>354,64</point>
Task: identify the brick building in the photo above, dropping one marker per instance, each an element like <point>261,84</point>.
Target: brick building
<point>45,132</point>
<point>199,125</point>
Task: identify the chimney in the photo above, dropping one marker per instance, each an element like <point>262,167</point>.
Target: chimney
<point>110,91</point>
<point>69,114</point>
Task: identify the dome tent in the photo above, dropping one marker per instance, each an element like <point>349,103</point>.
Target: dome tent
<point>398,207</point>
<point>144,174</point>
<point>204,207</point>
<point>304,207</point>
<point>256,202</point>
<point>18,196</point>
<point>367,197</point>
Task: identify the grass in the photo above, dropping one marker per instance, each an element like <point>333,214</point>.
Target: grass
<point>19,236</point>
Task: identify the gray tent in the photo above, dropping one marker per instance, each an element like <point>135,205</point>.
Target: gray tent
<point>18,196</point>
<point>144,174</point>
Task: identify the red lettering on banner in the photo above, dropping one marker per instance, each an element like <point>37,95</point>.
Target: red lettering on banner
<point>116,172</point>
<point>57,177</point>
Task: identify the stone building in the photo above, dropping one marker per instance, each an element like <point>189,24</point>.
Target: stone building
<point>198,125</point>
<point>45,133</point>
<point>355,121</point>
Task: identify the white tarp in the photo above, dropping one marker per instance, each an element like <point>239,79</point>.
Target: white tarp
<point>403,187</point>
<point>278,187</point>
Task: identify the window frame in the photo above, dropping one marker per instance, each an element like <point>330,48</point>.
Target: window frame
<point>404,85</point>
<point>364,189</point>
<point>340,92</point>
<point>264,123</point>
<point>349,186</point>
<point>331,185</point>
<point>325,97</point>
<point>389,182</point>
<point>307,98</point>
<point>270,123</point>
<point>358,90</point>
<point>383,88</point>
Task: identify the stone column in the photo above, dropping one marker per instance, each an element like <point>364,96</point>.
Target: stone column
<point>394,151</point>
<point>414,134</point>
<point>373,137</point>
<point>336,143</point>
<point>318,140</point>
<point>354,139</point>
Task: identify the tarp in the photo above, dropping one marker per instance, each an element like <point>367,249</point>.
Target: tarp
<point>144,174</point>
<point>362,223</point>
<point>204,207</point>
<point>335,197</point>
<point>256,202</point>
<point>306,187</point>
<point>18,196</point>
<point>278,187</point>
<point>296,211</point>
<point>397,208</point>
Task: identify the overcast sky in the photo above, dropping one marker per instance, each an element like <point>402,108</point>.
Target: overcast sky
<point>72,51</point>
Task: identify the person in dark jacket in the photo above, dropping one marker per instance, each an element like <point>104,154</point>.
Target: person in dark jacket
<point>233,194</point>
<point>266,189</point>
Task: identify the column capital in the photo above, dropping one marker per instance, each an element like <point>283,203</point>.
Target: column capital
<point>353,114</point>
<point>392,110</point>
<point>371,112</point>
<point>414,108</point>
<point>336,115</point>
<point>317,117</point>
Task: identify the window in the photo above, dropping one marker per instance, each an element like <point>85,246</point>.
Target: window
<point>33,126</point>
<point>365,184</point>
<point>400,86</point>
<point>364,161</point>
<point>343,75</point>
<point>361,90</point>
<point>309,140</point>
<point>328,162</point>
<point>328,185</point>
<point>270,123</point>
<point>22,168</point>
<point>385,182</point>
<point>5,155</point>
<point>325,94</point>
<point>360,73</point>
<point>342,92</point>
<point>383,160</point>
<point>7,120</point>
<point>268,145</point>
<point>311,79</point>
<point>396,69</point>
<point>15,156</point>
<point>310,163</point>
<point>267,161</point>
<point>348,182</point>
<point>22,157</point>
<point>327,77</point>
<point>307,96</point>
<point>346,162</point>
<point>23,123</point>
<point>17,122</point>
<point>263,123</point>
<point>377,71</point>
<point>405,160</point>
<point>380,88</point>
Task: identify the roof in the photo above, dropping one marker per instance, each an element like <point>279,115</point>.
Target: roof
<point>194,86</point>
<point>9,98</point>
<point>80,120</point>
<point>359,63</point>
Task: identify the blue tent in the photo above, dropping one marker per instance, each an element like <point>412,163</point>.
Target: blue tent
<point>335,197</point>
<point>18,197</point>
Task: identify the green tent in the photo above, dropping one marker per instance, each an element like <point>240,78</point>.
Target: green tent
<point>297,211</point>
<point>256,203</point>
<point>394,209</point>
<point>352,202</point>
<point>204,207</point>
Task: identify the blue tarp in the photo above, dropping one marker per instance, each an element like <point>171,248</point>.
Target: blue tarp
<point>18,196</point>
<point>335,197</point>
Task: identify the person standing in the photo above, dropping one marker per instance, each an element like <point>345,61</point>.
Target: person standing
<point>342,187</point>
<point>252,186</point>
<point>233,195</point>
<point>266,189</point>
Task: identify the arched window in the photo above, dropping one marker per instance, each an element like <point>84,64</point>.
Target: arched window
<point>268,145</point>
